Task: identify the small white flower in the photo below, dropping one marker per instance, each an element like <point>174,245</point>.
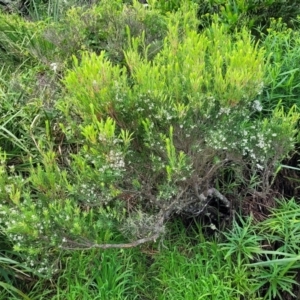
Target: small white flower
<point>54,67</point>
<point>213,226</point>
<point>260,167</point>
<point>257,105</point>
<point>8,188</point>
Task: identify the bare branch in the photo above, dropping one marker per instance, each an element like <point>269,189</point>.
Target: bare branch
<point>217,194</point>
<point>162,216</point>
<point>88,246</point>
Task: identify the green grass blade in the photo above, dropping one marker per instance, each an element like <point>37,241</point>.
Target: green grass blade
<point>12,290</point>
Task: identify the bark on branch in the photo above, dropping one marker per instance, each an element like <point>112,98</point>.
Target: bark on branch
<point>162,216</point>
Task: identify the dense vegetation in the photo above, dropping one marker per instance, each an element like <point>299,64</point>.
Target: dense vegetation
<point>149,151</point>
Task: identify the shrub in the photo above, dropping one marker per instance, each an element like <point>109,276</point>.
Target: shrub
<point>145,141</point>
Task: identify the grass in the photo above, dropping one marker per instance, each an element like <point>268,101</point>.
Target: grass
<point>233,265</point>
<point>9,269</point>
<point>185,267</point>
<point>96,275</point>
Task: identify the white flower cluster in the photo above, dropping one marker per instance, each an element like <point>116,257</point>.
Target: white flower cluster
<point>224,110</point>
<point>116,159</point>
<point>24,229</point>
<point>113,160</point>
<point>260,88</point>
<point>11,181</point>
<point>253,142</point>
<point>90,193</point>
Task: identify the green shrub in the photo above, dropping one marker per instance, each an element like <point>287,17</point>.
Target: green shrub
<point>145,140</point>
